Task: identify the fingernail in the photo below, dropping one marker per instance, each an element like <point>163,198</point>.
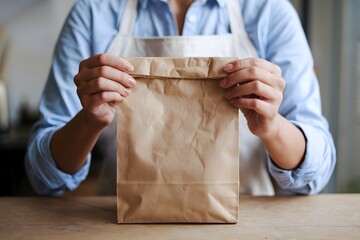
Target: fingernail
<point>129,67</point>
<point>223,82</point>
<point>228,67</point>
<point>132,81</point>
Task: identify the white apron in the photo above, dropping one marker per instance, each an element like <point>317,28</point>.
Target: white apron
<point>254,177</point>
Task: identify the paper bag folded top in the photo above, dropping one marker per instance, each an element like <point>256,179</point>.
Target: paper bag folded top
<point>177,139</point>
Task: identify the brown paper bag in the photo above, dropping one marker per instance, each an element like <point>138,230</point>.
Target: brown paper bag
<point>177,144</point>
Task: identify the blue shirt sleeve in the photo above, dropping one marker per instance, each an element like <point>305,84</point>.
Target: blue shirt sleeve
<point>279,38</point>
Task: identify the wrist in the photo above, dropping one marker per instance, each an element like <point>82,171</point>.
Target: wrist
<point>272,132</point>
<point>285,144</point>
<point>90,123</point>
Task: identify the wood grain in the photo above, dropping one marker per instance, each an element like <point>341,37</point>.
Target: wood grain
<point>313,217</point>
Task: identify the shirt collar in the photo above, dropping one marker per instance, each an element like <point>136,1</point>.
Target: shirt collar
<point>144,3</point>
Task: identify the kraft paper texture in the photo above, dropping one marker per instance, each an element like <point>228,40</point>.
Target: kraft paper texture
<point>177,139</point>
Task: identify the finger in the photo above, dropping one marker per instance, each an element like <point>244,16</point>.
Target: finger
<point>261,107</point>
<point>255,87</point>
<point>253,73</point>
<point>252,62</point>
<point>104,72</point>
<point>102,85</point>
<point>107,59</point>
<point>96,100</point>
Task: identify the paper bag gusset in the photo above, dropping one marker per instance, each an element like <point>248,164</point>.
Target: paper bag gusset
<point>177,140</point>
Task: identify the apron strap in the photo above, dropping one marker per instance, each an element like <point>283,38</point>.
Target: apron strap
<point>235,17</point>
<point>129,18</point>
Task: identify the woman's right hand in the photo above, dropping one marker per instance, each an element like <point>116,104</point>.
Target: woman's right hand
<point>102,82</point>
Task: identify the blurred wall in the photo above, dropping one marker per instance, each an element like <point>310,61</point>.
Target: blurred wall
<point>32,32</point>
<point>334,37</point>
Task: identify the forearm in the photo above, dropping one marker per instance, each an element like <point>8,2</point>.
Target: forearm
<point>72,143</point>
<point>287,145</point>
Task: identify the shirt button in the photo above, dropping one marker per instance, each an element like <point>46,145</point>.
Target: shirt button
<point>192,18</point>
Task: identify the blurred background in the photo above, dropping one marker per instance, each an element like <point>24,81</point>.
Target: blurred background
<point>28,32</point>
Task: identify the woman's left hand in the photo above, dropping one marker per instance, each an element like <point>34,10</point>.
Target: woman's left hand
<point>256,87</point>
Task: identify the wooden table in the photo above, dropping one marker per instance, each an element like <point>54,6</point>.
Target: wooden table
<point>315,217</point>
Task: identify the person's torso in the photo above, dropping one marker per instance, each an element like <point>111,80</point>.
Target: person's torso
<point>254,178</point>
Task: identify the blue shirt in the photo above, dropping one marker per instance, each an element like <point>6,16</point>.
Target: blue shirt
<point>273,27</point>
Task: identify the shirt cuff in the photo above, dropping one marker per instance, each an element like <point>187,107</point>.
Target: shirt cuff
<point>299,180</point>
<point>50,175</point>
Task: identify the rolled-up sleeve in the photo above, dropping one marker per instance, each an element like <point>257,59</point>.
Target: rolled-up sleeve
<point>45,177</point>
<point>316,169</point>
